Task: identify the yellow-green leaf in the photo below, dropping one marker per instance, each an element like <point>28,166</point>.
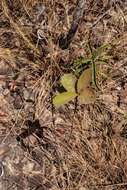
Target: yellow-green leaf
<point>68,81</point>
<point>87,96</point>
<point>63,98</point>
<point>84,80</point>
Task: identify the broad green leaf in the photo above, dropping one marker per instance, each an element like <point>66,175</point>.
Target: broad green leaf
<point>63,98</point>
<point>87,96</point>
<point>84,80</point>
<point>68,81</point>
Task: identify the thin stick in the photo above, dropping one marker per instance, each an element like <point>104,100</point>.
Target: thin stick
<point>64,40</point>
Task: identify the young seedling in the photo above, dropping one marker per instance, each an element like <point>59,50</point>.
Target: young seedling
<point>83,81</point>
<point>84,92</point>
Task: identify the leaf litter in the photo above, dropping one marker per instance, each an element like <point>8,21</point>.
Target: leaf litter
<point>79,148</point>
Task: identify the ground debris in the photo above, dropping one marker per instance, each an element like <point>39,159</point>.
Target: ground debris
<point>74,147</point>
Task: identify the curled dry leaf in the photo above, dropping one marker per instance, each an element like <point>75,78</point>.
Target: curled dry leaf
<point>84,80</point>
<point>85,91</point>
<point>68,81</point>
<point>87,96</point>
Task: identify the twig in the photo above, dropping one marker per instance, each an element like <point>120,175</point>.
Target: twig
<point>64,40</point>
<point>113,184</point>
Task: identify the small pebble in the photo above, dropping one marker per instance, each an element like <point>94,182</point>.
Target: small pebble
<point>6,92</point>
<point>118,88</point>
<point>28,94</point>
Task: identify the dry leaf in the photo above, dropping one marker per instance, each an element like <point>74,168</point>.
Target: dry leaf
<point>87,96</point>
<point>84,80</point>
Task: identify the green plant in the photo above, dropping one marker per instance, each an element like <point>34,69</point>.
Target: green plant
<point>80,88</point>
<point>98,56</point>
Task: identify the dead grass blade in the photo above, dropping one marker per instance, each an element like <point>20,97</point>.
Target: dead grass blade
<point>18,28</point>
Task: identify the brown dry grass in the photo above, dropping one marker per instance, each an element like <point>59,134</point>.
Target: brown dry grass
<point>82,150</point>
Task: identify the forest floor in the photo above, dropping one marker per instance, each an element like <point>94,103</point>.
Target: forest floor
<point>82,147</point>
